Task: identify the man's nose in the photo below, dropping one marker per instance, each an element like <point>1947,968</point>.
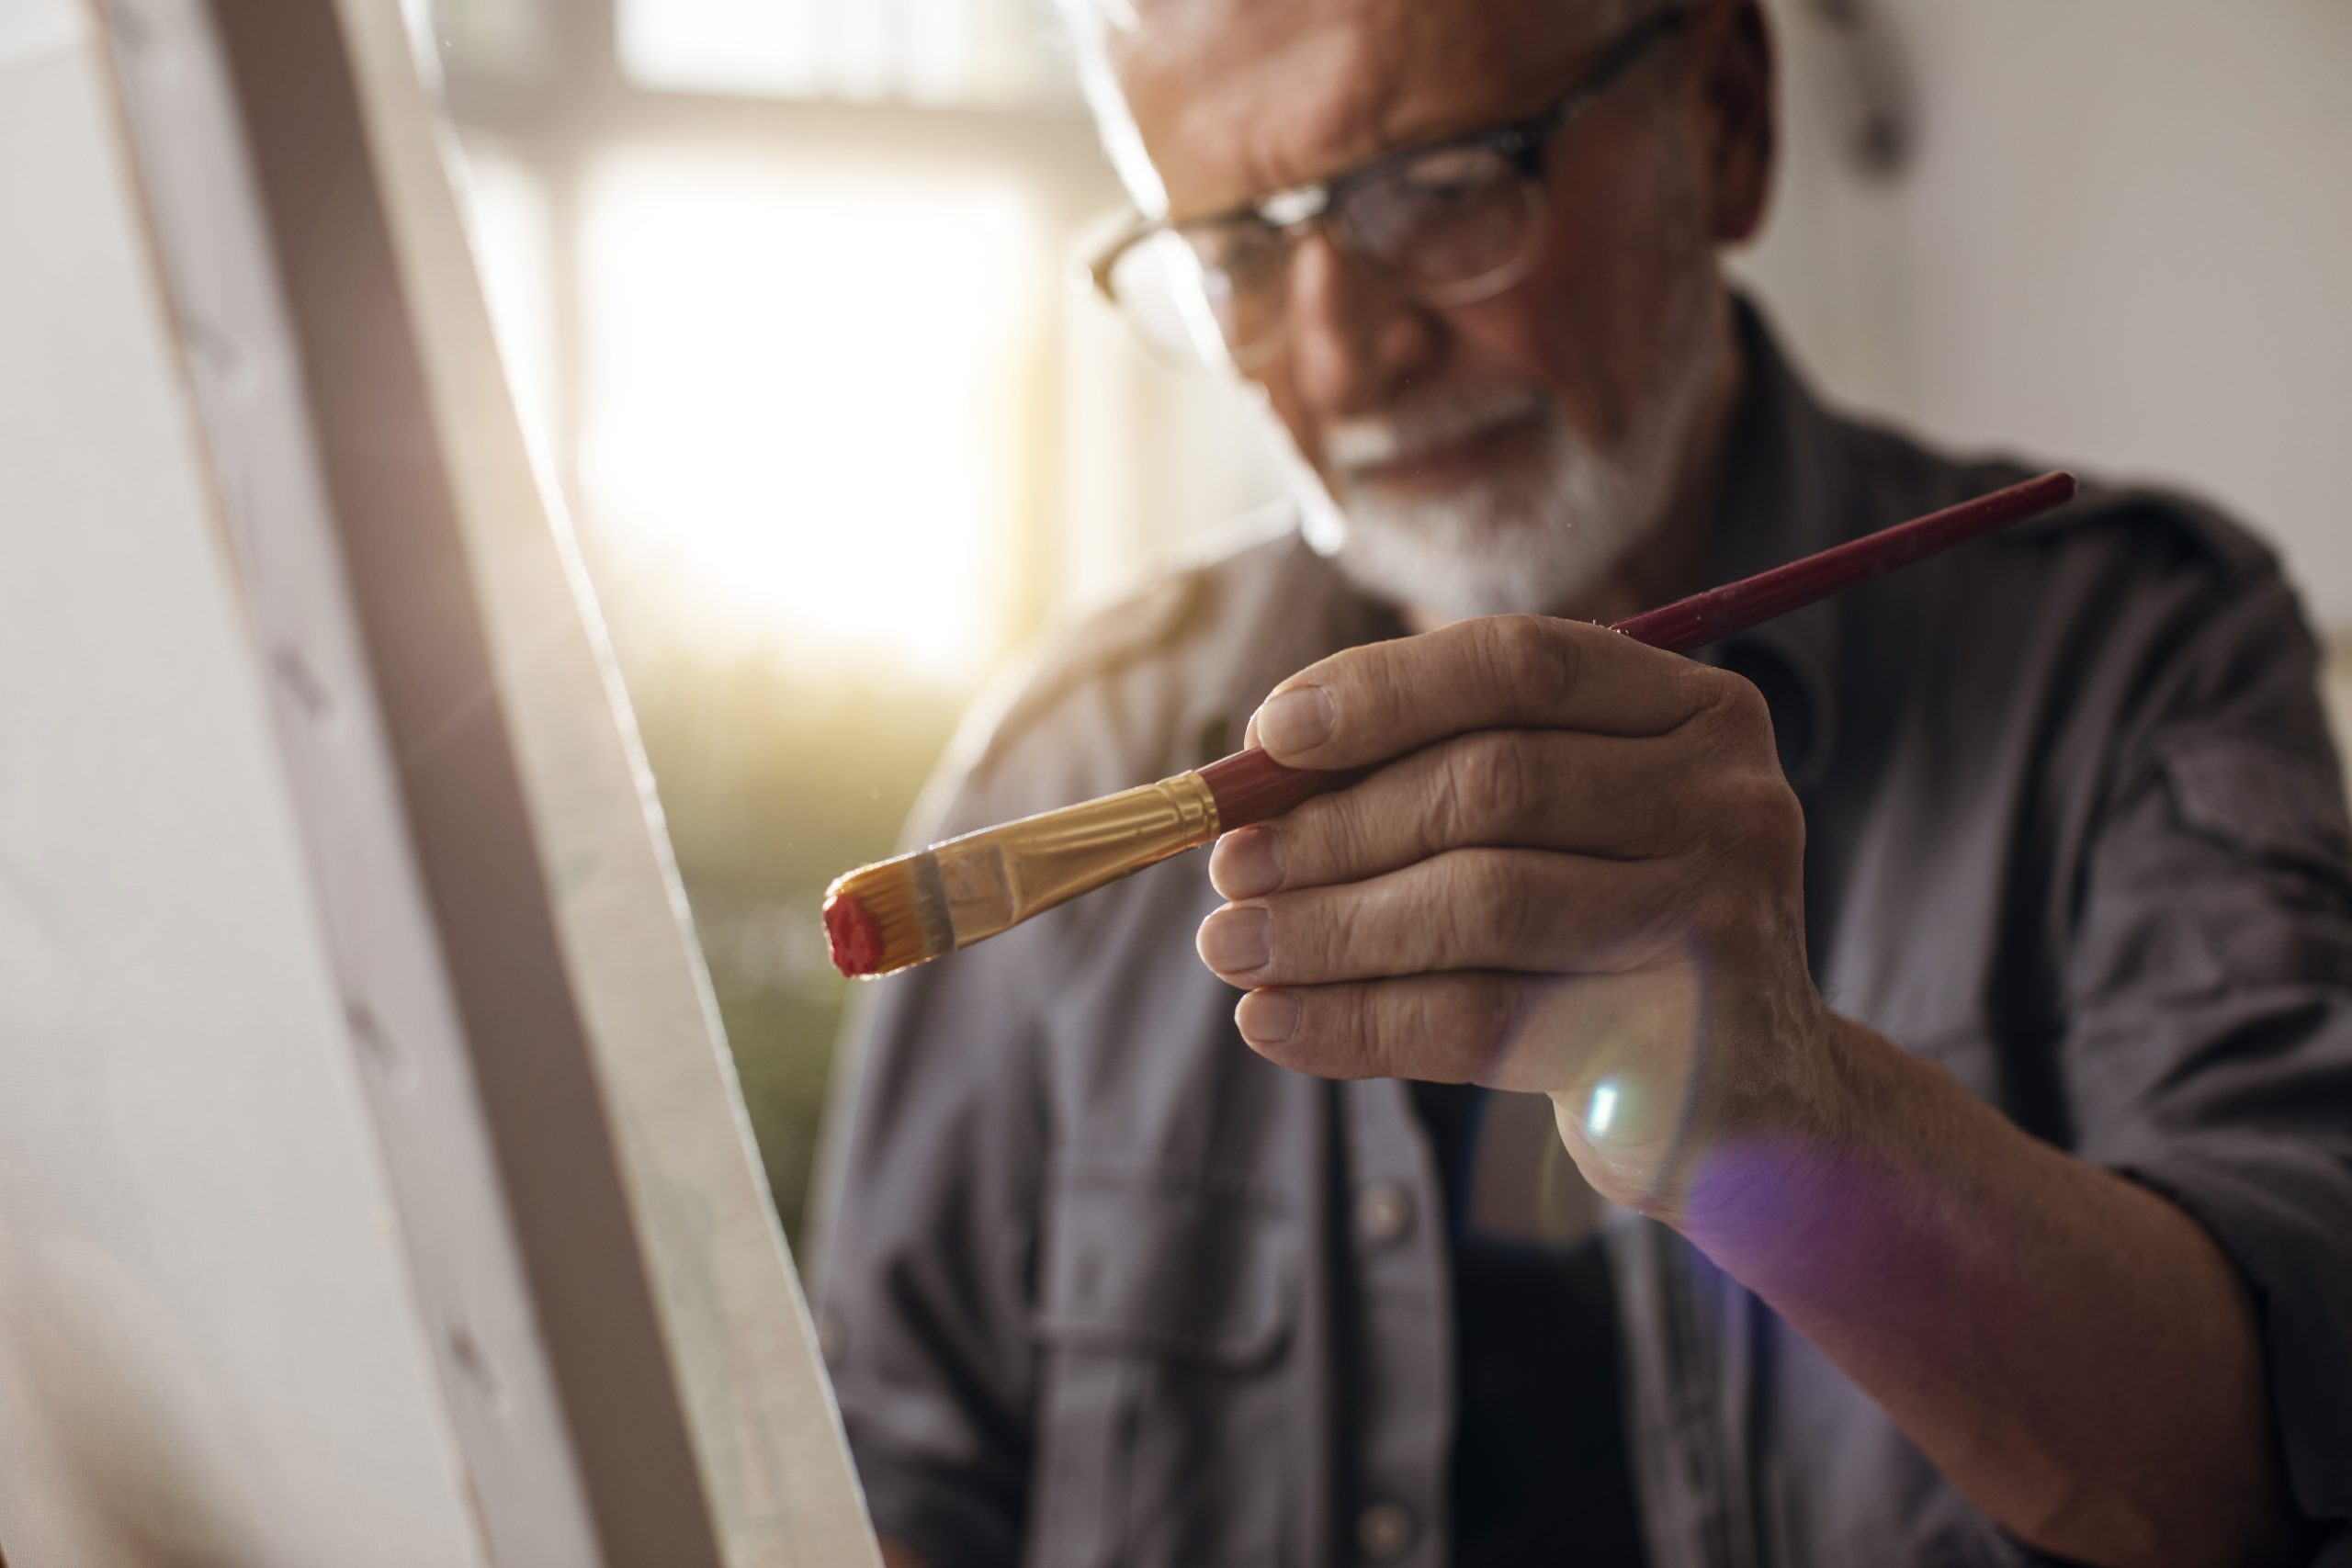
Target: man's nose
<point>1356,337</point>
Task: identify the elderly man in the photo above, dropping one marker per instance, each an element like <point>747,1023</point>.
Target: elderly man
<point>1949,988</point>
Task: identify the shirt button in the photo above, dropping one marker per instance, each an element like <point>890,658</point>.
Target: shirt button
<point>1383,1530</point>
<point>1384,1213</point>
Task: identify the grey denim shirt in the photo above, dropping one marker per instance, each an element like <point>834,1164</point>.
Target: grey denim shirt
<point>1102,1286</point>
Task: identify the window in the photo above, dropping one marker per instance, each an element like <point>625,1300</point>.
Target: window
<point>933,51</point>
<point>820,448</point>
<point>782,288</point>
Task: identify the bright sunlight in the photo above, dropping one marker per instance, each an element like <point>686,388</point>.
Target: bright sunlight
<point>806,399</point>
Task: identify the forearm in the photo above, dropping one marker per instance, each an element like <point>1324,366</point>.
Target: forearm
<point>2072,1351</point>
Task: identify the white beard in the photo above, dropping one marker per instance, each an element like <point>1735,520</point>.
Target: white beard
<point>1526,545</point>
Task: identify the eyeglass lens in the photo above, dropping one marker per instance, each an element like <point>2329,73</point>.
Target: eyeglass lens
<point>1455,223</point>
<point>1447,218</point>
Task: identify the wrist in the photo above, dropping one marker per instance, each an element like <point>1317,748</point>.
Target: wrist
<point>1788,1184</point>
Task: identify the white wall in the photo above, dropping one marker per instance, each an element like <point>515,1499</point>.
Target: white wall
<point>2124,241</point>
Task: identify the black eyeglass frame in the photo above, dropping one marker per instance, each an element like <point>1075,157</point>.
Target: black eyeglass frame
<point>1524,143</point>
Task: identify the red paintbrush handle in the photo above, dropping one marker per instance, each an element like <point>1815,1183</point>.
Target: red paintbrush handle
<point>1721,612</point>
<point>1251,786</point>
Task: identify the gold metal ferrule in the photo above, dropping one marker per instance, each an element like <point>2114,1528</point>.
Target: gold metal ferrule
<point>999,876</point>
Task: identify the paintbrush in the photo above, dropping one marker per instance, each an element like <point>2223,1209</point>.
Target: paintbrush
<point>919,906</point>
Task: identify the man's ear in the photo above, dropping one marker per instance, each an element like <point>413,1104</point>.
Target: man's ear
<point>1738,87</point>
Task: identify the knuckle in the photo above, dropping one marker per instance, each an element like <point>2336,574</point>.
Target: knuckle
<point>1330,1026</point>
<point>1424,1015</point>
<point>1488,1027</point>
<point>1732,919</point>
<point>1489,786</point>
<point>1344,842</point>
<point>1784,813</point>
<point>1767,810</point>
<point>1753,814</point>
<point>1361,1034</point>
<point>1321,838</point>
<point>1496,909</point>
<point>1514,781</point>
<point>1697,686</point>
<point>1464,1024</point>
<point>1533,655</point>
<point>1334,939</point>
<point>1741,715</point>
<point>1734,809</point>
<point>1464,909</point>
<point>1449,813</point>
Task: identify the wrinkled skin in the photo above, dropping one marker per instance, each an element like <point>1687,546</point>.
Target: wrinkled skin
<point>1580,874</point>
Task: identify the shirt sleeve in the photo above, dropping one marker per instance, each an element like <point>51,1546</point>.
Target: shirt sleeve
<point>923,1281</point>
<point>2209,1052</point>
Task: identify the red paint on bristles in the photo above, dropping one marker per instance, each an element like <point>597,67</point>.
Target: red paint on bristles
<point>1251,786</point>
<point>853,936</point>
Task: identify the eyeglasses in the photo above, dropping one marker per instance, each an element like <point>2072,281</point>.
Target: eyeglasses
<point>1454,220</point>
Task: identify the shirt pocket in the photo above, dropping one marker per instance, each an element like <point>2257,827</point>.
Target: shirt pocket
<point>1167,1302</point>
<point>2237,875</point>
<point>2267,802</point>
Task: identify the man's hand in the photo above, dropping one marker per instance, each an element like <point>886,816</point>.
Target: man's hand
<point>1575,868</point>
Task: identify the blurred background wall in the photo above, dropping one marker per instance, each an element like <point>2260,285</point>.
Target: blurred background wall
<point>2120,232</point>
<point>784,287</point>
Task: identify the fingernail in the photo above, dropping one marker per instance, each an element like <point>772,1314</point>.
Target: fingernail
<point>1246,864</point>
<point>1236,941</point>
<point>1297,721</point>
<point>1267,1018</point>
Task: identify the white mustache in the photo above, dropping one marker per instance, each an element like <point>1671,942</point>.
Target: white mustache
<point>1388,438</point>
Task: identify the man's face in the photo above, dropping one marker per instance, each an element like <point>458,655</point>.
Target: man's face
<point>1505,454</point>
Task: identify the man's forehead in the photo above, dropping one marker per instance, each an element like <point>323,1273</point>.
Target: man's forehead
<point>1237,97</point>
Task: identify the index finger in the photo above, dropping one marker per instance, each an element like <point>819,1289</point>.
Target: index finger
<point>1367,705</point>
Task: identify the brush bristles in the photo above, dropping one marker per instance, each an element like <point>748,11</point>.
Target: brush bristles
<point>888,916</point>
